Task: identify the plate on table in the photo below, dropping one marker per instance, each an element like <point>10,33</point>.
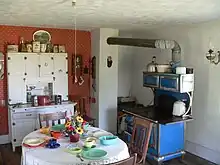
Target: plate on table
<point>98,134</point>
<point>34,141</point>
<point>94,154</point>
<point>58,128</point>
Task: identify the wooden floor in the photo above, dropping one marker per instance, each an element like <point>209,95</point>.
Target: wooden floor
<point>7,157</point>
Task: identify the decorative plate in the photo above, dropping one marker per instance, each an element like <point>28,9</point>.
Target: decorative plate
<point>42,36</point>
<point>94,154</point>
<point>34,141</point>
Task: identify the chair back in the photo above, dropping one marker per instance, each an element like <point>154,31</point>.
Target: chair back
<point>129,161</point>
<point>140,138</point>
<point>51,118</point>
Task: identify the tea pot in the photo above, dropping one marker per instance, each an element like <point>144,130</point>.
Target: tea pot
<point>152,67</point>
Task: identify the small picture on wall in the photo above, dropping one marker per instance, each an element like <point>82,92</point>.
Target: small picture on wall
<point>42,36</point>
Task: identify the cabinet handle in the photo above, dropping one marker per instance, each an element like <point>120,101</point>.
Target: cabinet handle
<point>13,123</point>
<point>28,114</point>
<point>14,140</point>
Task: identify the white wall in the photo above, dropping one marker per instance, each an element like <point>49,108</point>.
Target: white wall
<point>203,133</point>
<point>125,57</point>
<point>105,109</point>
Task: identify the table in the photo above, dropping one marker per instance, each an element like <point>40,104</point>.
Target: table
<point>58,156</point>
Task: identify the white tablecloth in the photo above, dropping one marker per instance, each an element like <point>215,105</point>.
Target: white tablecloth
<point>58,156</point>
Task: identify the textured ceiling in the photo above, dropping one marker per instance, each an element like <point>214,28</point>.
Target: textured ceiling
<point>121,14</point>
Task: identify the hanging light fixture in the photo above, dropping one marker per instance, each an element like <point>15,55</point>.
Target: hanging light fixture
<point>81,80</point>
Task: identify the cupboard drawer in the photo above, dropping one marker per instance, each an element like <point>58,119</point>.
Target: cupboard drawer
<point>30,115</point>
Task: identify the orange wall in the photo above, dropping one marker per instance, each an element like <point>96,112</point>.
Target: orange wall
<point>11,34</point>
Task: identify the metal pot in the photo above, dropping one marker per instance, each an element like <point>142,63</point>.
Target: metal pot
<point>152,67</point>
<point>163,68</point>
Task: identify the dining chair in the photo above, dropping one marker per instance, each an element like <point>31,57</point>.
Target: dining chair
<point>52,117</point>
<point>130,161</point>
<point>140,139</point>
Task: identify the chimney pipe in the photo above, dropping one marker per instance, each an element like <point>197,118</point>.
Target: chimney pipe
<point>150,43</point>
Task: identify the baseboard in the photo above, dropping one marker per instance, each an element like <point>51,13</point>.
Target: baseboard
<point>204,152</point>
<point>4,139</point>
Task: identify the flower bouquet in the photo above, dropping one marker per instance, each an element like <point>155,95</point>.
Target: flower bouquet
<point>74,127</point>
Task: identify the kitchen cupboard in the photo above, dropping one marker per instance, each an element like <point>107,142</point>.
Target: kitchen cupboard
<point>31,68</point>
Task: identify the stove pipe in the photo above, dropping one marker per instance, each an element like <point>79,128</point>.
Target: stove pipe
<point>150,43</point>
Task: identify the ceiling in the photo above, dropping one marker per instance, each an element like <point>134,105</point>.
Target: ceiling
<point>120,14</point>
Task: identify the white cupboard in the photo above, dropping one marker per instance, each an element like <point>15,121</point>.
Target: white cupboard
<point>17,94</point>
<point>46,65</point>
<point>31,65</point>
<point>16,64</point>
<point>31,68</point>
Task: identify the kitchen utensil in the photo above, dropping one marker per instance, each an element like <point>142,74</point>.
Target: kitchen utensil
<point>43,48</point>
<point>29,48</point>
<point>74,138</point>
<point>58,99</point>
<point>163,68</point>
<point>55,49</point>
<point>179,108</point>
<point>56,134</point>
<point>34,141</point>
<point>94,154</point>
<point>45,130</point>
<point>79,156</point>
<point>152,67</point>
<point>75,150</point>
<point>12,48</point>
<point>43,100</point>
<point>180,70</point>
<point>62,49</point>
<point>52,144</point>
<point>57,128</point>
<point>34,100</point>
<point>36,46</point>
<point>89,142</point>
<point>189,70</point>
<point>108,140</point>
<point>101,133</point>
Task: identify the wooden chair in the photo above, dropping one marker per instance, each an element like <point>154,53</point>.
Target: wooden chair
<point>140,139</point>
<point>130,161</point>
<point>51,117</point>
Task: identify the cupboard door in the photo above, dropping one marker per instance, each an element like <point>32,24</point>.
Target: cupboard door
<point>16,89</point>
<point>31,66</point>
<point>61,85</point>
<point>16,64</point>
<point>22,128</point>
<point>60,63</point>
<point>46,65</point>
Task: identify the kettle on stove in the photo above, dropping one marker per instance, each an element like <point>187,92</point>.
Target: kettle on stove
<point>179,108</point>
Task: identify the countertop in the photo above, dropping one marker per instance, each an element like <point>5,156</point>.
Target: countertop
<point>12,106</point>
<point>150,113</point>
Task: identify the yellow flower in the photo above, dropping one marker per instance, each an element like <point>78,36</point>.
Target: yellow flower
<point>68,124</point>
<point>79,119</point>
<point>79,131</point>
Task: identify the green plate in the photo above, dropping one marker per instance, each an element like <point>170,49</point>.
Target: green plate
<point>58,127</point>
<point>94,154</point>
